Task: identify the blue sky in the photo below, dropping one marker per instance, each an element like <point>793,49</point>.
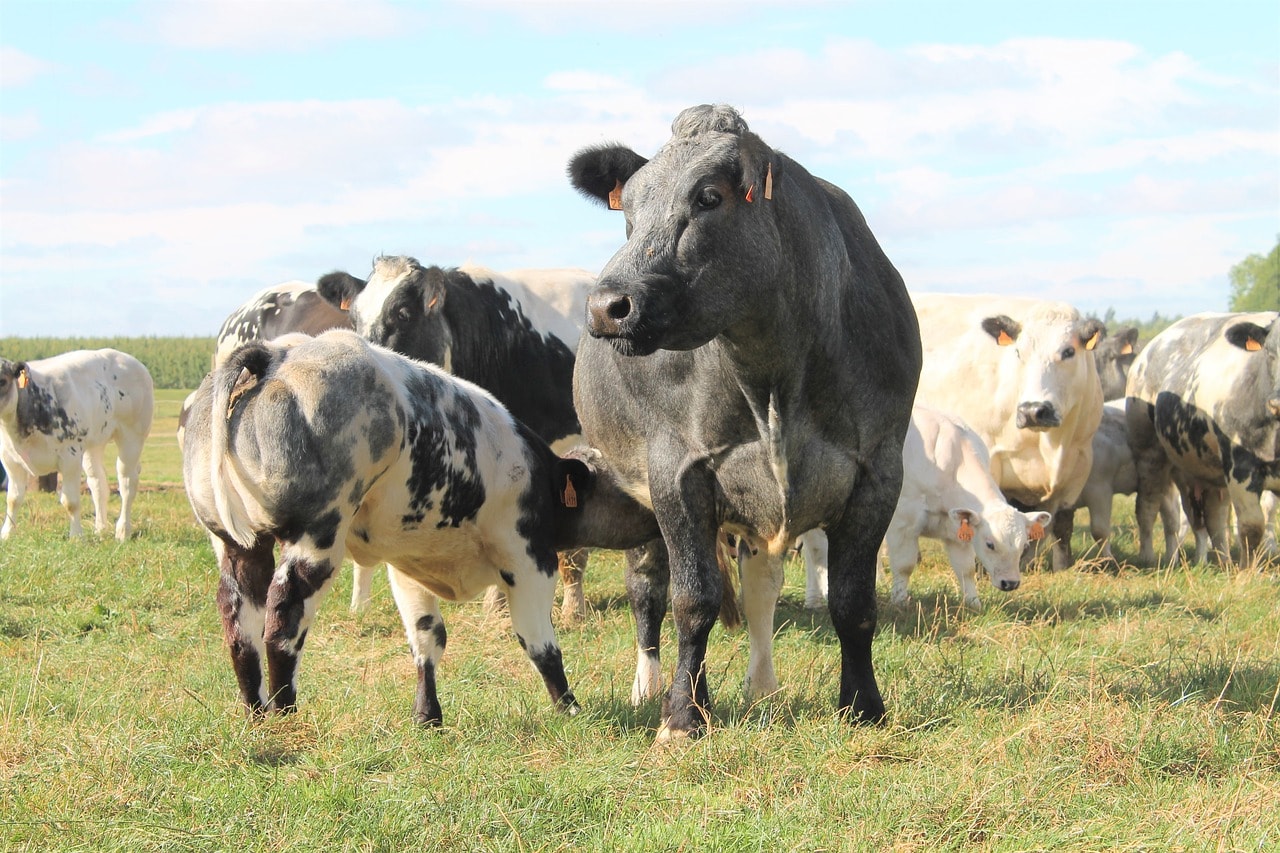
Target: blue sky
<point>162,161</point>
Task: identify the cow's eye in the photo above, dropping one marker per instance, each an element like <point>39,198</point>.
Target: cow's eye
<point>708,198</point>
<point>1069,352</point>
<point>403,314</point>
<point>991,546</point>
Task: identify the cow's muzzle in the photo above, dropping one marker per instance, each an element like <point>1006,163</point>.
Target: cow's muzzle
<point>610,314</point>
<point>1038,415</point>
<point>1009,586</point>
<point>1273,406</point>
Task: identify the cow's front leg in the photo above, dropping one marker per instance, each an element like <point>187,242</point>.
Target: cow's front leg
<point>761,584</point>
<point>1064,523</point>
<point>648,580</point>
<point>683,492</point>
<point>242,602</point>
<point>299,585</point>
<point>423,624</point>
<point>95,474</point>
<point>813,549</point>
<point>362,587</point>
<point>531,593</point>
<point>15,494</point>
<point>851,596</point>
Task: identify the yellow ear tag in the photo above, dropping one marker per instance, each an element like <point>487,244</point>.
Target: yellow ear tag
<point>768,182</point>
<point>1003,339</point>
<point>1252,345</point>
<point>966,532</point>
<point>1093,342</point>
<point>615,196</point>
<point>570,496</point>
<point>23,379</point>
<point>1036,533</point>
<point>1127,349</point>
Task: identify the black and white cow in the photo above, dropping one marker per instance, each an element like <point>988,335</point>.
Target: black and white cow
<point>58,414</point>
<point>331,445</point>
<point>295,306</point>
<point>1204,398</point>
<point>751,362</point>
<point>513,334</point>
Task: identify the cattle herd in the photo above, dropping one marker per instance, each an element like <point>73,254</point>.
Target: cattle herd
<point>749,364</point>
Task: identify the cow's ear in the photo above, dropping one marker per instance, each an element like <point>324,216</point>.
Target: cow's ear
<point>1091,333</point>
<point>1004,330</point>
<point>340,289</point>
<point>601,171</point>
<point>967,522</point>
<point>1247,336</point>
<point>1128,337</point>
<point>572,482</point>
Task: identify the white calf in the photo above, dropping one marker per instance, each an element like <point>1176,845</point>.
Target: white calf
<point>948,494</point>
<point>57,414</point>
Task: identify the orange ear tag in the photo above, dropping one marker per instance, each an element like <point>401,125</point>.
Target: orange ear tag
<point>570,496</point>
<point>615,196</point>
<point>432,303</point>
<point>966,532</point>
<point>1252,345</point>
<point>1036,532</point>
<point>23,379</point>
<point>1004,340</point>
<point>346,304</point>
<point>751,193</point>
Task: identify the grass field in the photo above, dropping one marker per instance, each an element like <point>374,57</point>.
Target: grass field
<point>1085,711</point>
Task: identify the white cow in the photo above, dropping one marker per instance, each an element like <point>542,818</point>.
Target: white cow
<point>57,414</point>
<point>1021,373</point>
<point>948,494</point>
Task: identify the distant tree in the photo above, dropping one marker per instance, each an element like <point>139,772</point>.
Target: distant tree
<point>1255,282</point>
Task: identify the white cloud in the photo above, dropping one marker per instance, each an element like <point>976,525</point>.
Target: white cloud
<point>271,24</point>
<point>19,69</point>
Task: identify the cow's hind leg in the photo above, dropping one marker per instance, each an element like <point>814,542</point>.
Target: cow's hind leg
<point>128,469</point>
<point>761,584</point>
<point>299,585</point>
<point>813,548</point>
<point>242,602</point>
<point>95,474</point>
<point>648,582</point>
<point>424,626</point>
<point>531,593</point>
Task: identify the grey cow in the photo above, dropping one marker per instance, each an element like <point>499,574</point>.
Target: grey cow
<point>750,362</point>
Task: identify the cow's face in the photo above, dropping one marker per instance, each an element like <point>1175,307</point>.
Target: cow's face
<point>702,238</point>
<point>1263,346</point>
<point>999,537</point>
<point>1052,360</point>
<point>402,308</point>
<point>11,378</point>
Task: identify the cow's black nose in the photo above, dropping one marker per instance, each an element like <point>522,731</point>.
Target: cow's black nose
<point>606,313</point>
<point>1039,414</point>
<point>1009,586</point>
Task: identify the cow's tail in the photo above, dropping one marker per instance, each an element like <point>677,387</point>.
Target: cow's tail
<point>727,561</point>
<point>240,374</point>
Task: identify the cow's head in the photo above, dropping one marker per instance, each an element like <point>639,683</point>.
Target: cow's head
<point>400,306</point>
<point>1263,343</point>
<point>702,235</point>
<point>13,376</point>
<point>1113,357</point>
<point>1053,362</point>
<point>340,289</point>
<point>592,509</point>
<point>999,536</point>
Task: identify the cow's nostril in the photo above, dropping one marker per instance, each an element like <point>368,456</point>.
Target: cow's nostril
<point>1009,586</point>
<point>619,308</point>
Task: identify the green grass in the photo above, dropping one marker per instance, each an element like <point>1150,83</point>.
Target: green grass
<point>1085,711</point>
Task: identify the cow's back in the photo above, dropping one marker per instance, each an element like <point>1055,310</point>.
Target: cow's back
<point>101,381</point>
<point>553,300</point>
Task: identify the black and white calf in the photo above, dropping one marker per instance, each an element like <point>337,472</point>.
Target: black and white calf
<point>295,306</point>
<point>58,414</point>
<point>331,445</point>
<point>513,334</point>
<point>1204,398</point>
<point>751,362</point>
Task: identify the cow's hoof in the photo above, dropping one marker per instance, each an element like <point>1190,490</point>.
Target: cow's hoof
<point>668,736</point>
